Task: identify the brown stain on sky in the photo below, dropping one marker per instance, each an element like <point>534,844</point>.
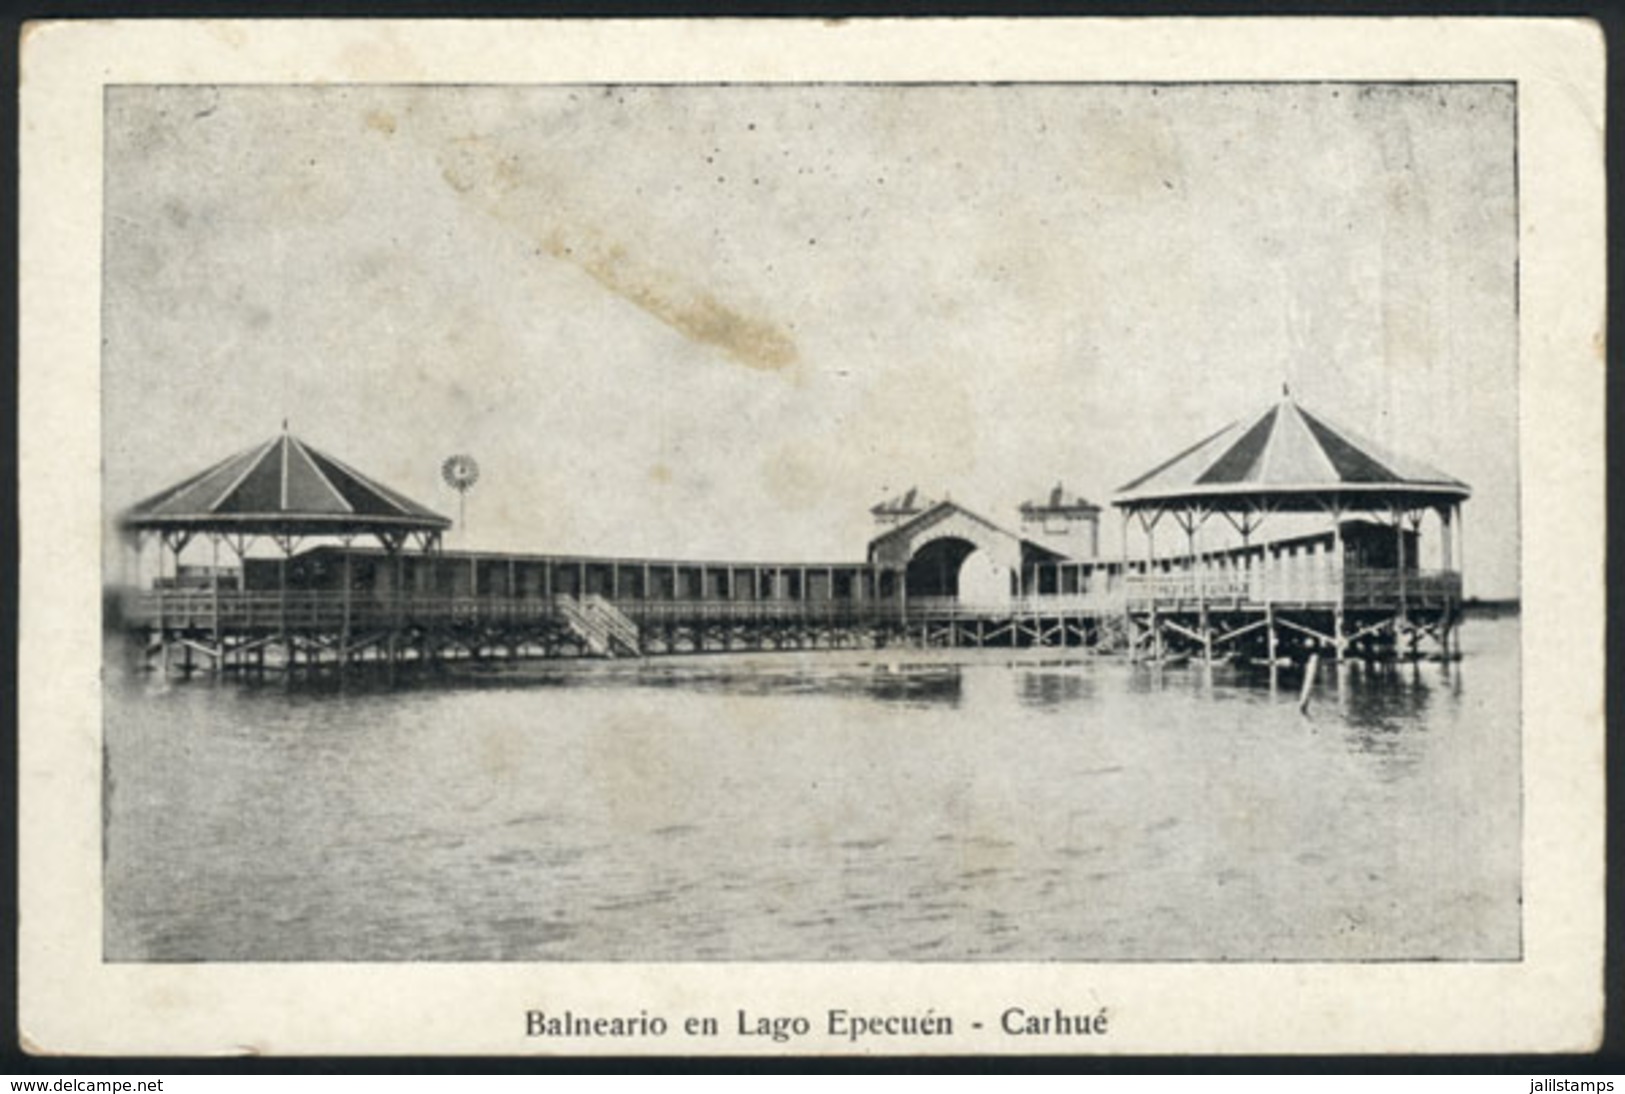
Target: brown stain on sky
<point>693,313</point>
<point>499,184</point>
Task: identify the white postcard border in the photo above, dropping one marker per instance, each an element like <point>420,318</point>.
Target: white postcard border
<point>71,1002</point>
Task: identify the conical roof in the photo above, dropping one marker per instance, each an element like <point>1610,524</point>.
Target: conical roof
<point>1289,458</point>
<point>286,486</point>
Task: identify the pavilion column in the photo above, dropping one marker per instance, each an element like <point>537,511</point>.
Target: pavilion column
<point>1339,644</point>
<point>1448,564</point>
<point>163,596</point>
<point>214,589</point>
<point>1201,565</point>
<point>177,543</point>
<point>244,614</point>
<point>1415,518</point>
<point>189,617</point>
<point>1193,521</point>
<point>397,548</point>
<point>1403,619</point>
<point>344,622</point>
<point>1122,582</point>
<point>397,606</point>
<point>1154,581</point>
<point>1461,545</point>
<point>282,601</point>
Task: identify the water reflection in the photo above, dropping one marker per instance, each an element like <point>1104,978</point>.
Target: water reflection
<point>1053,688</point>
<point>902,805</point>
<point>916,684</point>
<point>1385,712</point>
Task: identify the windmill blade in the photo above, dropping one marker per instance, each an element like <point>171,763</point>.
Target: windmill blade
<point>460,471</point>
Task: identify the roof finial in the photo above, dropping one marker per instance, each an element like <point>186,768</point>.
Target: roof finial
<point>284,425</point>
<point>1286,390</point>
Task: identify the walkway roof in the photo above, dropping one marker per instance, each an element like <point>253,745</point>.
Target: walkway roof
<point>1289,459</point>
<point>282,487</point>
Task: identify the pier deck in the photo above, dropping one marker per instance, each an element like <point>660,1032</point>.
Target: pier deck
<point>1146,614</point>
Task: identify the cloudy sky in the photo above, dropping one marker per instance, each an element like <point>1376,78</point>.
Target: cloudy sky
<point>724,321</point>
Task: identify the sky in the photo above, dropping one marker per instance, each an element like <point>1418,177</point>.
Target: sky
<point>724,321</point>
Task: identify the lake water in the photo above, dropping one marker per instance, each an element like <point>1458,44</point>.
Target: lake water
<point>875,805</point>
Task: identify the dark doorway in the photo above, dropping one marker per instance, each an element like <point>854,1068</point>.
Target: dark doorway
<point>934,569</point>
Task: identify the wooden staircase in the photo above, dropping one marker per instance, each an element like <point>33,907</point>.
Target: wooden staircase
<point>602,627</point>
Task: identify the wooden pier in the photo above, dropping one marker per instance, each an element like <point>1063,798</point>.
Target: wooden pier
<point>939,575</point>
<point>350,606</point>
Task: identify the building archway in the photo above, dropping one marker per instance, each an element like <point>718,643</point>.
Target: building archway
<point>950,553</point>
<point>933,571</point>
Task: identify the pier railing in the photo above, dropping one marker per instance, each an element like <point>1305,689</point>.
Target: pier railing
<point>947,608</point>
<point>229,609</point>
<point>260,612</point>
<point>831,612</point>
<point>1359,587</point>
<point>1385,587</point>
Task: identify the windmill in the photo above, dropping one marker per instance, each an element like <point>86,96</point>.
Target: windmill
<point>461,472</point>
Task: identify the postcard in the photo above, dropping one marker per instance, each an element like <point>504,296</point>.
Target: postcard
<point>883,537</point>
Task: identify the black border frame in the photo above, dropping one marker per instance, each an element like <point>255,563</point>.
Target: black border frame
<point>1609,1058</point>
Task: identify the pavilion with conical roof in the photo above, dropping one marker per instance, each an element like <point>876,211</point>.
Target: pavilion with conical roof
<point>283,490</point>
<point>1288,459</point>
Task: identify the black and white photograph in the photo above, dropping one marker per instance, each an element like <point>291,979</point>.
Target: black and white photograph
<point>832,522</point>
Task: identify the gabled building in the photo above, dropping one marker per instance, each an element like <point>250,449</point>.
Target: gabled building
<point>933,547</point>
